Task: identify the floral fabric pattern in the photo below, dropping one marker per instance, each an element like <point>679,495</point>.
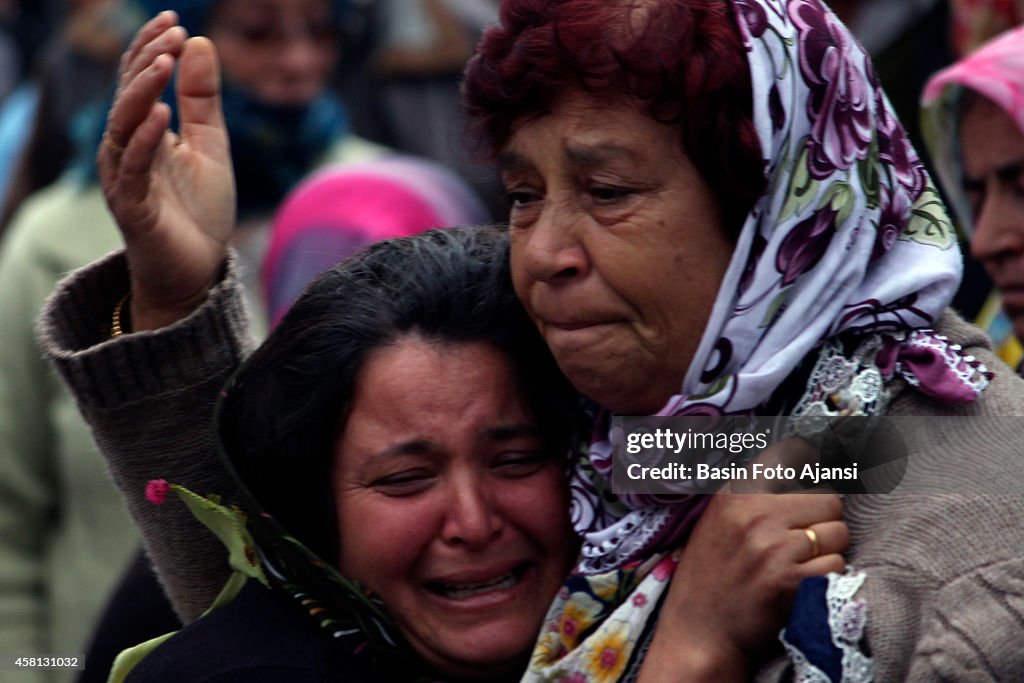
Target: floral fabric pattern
<point>850,238</point>
<point>839,99</point>
<point>595,623</point>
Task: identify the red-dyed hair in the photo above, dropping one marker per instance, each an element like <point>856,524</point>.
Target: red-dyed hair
<point>683,59</point>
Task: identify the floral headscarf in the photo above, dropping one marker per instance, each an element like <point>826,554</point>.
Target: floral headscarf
<point>850,240</point>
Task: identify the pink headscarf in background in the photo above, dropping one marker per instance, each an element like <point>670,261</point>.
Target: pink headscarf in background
<point>344,208</point>
<point>995,71</point>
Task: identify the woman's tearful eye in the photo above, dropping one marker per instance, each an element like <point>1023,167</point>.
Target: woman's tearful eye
<point>518,199</point>
<point>516,464</point>
<point>404,483</point>
<point>609,195</point>
<point>524,208</point>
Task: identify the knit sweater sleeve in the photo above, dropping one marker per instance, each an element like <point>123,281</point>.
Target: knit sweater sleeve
<point>946,603</point>
<point>945,572</point>
<point>974,630</point>
<point>149,399</point>
<point>944,586</point>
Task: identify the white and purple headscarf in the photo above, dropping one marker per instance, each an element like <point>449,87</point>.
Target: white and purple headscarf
<point>850,238</point>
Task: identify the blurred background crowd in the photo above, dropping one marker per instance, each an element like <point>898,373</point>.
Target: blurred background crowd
<point>356,81</point>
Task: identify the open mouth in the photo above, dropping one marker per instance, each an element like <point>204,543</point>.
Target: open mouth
<point>461,591</point>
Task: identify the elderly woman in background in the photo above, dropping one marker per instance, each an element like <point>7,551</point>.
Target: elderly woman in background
<point>716,212</point>
<point>974,125</point>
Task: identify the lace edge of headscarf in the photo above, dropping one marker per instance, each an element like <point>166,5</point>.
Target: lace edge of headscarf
<point>839,385</point>
<point>834,654</point>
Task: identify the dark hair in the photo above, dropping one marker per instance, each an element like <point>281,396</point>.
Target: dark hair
<point>286,408</point>
<point>683,59</point>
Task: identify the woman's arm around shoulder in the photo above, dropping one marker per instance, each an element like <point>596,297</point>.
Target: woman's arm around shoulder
<point>149,399</point>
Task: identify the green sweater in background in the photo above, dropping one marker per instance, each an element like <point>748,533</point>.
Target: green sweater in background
<point>64,535</point>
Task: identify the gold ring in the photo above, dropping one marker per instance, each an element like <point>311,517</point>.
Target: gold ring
<point>815,546</point>
<point>109,143</point>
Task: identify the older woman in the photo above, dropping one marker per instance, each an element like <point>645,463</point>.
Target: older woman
<point>749,149</point>
<point>716,211</point>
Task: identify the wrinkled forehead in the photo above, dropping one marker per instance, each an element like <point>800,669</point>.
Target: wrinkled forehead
<point>990,141</point>
<point>972,104</point>
<point>975,104</point>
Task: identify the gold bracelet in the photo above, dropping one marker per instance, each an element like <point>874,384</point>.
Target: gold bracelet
<point>115,321</point>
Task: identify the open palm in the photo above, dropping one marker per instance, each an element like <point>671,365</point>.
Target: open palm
<point>172,196</point>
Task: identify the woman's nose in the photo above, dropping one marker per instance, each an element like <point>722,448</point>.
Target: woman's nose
<point>550,250</point>
<point>472,518</point>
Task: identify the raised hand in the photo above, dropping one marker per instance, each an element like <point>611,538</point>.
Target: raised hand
<point>173,196</point>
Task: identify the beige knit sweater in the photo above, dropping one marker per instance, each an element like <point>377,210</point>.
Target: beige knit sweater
<point>945,573</point>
